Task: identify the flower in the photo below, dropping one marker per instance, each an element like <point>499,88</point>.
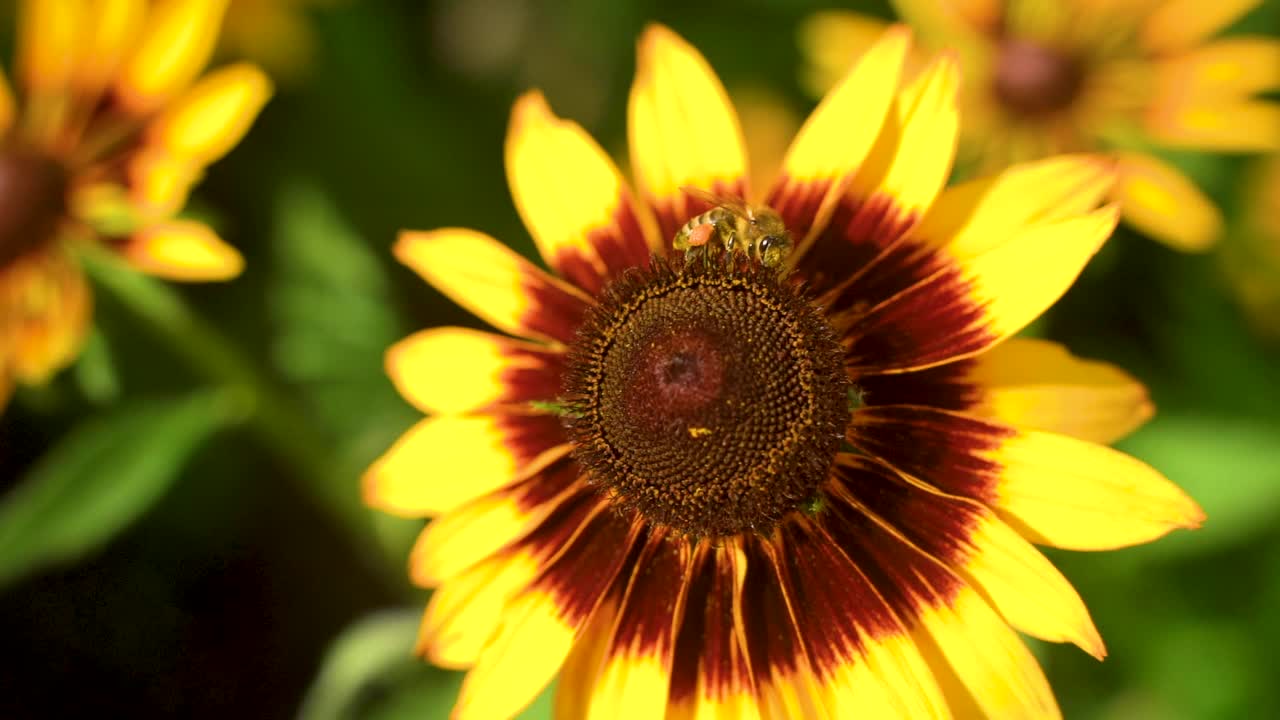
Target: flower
<point>1251,260</point>
<point>102,144</point>
<point>1126,78</point>
<point>705,485</point>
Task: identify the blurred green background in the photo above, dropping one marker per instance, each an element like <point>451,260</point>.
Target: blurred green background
<point>172,547</point>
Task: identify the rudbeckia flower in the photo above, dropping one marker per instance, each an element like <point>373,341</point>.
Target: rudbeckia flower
<point>1252,259</point>
<point>105,130</point>
<point>1044,77</point>
<point>702,485</point>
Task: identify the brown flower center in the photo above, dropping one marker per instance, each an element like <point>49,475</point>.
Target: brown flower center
<point>710,398</point>
<point>33,189</point>
<point>1032,79</point>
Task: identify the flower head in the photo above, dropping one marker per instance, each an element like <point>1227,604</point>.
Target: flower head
<point>107,132</point>
<point>1124,77</point>
<point>705,483</point>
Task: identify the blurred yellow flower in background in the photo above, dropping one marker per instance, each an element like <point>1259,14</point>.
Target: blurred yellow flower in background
<point>1252,259</point>
<point>1124,76</point>
<point>105,130</point>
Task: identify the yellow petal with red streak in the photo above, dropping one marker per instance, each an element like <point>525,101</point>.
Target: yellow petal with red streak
<point>983,665</point>
<point>975,216</point>
<point>1039,385</point>
<point>1161,202</point>
<point>564,186</point>
<point>213,115</point>
<point>582,668</point>
<point>465,612</point>
<point>483,276</point>
<point>682,129</point>
<point>172,49</point>
<point>1180,24</point>
<point>1074,494</point>
<point>887,679</point>
<point>439,464</point>
<point>911,159</point>
<point>183,250</point>
<point>1224,126</point>
<point>518,661</point>
<point>1023,586</point>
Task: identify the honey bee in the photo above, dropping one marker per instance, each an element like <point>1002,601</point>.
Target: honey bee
<point>755,230</point>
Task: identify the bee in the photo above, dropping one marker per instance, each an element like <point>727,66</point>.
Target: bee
<point>755,230</point>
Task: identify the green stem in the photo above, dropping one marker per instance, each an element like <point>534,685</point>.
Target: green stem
<point>273,417</point>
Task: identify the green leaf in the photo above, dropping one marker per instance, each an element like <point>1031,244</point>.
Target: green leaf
<point>104,475</point>
<point>1230,466</point>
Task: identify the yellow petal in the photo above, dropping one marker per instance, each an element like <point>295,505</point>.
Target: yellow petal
<point>479,528</point>
<point>887,679</point>
<point>1228,69</point>
<point>837,138</point>
<point>1039,385</point>
<point>173,48</point>
<point>454,370</point>
<point>45,311</point>
<point>1179,24</point>
<point>1161,202</point>
<point>1225,126</point>
<point>831,40</point>
<point>572,198</point>
<point>211,117</point>
<point>1073,494</point>
<point>636,673</point>
<point>1024,587</point>
<point>681,128</point>
<point>582,667</point>
<point>48,40</point>
<point>182,250</point>
<point>490,280</point>
<point>112,28</point>
<point>911,159</point>
<point>975,216</point>
<point>442,462</point>
<point>943,22</point>
<point>466,611</point>
<point>985,669</point>
<point>159,182</point>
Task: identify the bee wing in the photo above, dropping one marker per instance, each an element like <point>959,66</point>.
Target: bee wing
<point>736,205</point>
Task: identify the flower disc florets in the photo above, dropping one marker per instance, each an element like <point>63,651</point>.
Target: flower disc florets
<point>710,397</point>
<point>33,189</point>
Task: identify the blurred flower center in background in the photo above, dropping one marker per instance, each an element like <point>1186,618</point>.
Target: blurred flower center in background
<point>1129,78</point>
<point>33,189</point>
<point>109,131</point>
<point>780,460</point>
<point>1033,79</point>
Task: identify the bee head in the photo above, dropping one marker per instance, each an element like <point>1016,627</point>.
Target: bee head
<point>774,248</point>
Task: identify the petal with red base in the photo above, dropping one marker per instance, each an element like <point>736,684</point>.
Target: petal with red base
<point>710,676</point>
<point>455,370</point>
<point>467,457</point>
<point>484,276</point>
<point>1055,490</point>
<point>477,529</point>
<point>837,138</point>
<point>1030,384</point>
<point>542,622</point>
<point>636,672</point>
<point>682,130</point>
<point>581,214</point>
<point>965,307</point>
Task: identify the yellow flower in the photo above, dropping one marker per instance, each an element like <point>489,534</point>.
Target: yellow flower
<point>1118,76</point>
<point>106,135</point>
<point>703,485</point>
